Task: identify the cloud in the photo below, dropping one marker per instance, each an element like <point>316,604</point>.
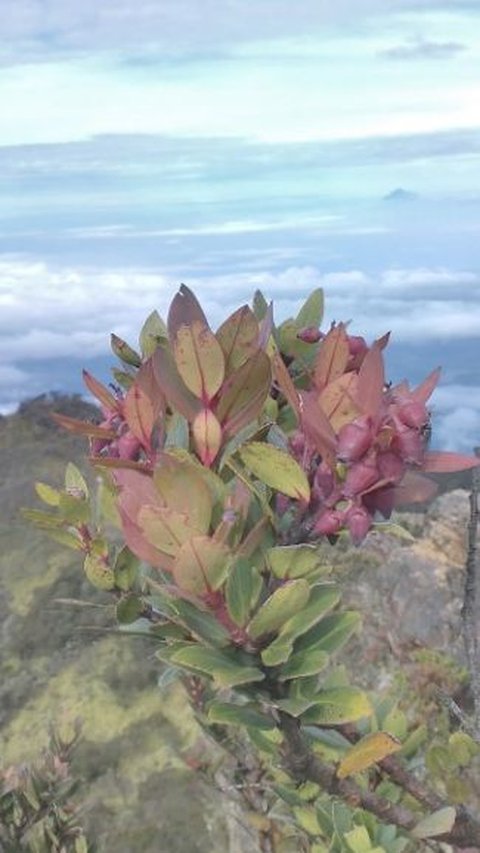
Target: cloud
<point>420,49</point>
<point>62,27</point>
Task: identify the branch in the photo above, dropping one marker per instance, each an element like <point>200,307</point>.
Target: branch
<point>471,599</point>
<point>301,763</point>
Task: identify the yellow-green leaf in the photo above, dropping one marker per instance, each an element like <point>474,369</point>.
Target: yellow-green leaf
<point>311,312</point>
<point>435,824</point>
<point>47,494</point>
<point>207,434</point>
<point>338,705</point>
<point>98,572</point>
<point>304,664</point>
<point>165,529</point>
<point>183,488</point>
<point>75,481</point>
<point>369,750</point>
<point>295,561</point>
<point>199,359</point>
<point>153,331</point>
<point>238,337</point>
<point>276,610</point>
<point>201,564</point>
<point>276,468</point>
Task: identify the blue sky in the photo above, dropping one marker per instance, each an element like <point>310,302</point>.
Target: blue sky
<point>233,145</point>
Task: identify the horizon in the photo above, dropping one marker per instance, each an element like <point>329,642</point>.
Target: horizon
<point>233,148</point>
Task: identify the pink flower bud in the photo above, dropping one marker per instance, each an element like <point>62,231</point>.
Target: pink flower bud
<point>297,443</point>
<point>360,477</point>
<point>413,414</point>
<point>357,345</point>
<point>355,438</point>
<point>329,522</point>
<point>309,335</point>
<point>324,482</point>
<point>390,466</point>
<point>282,504</point>
<point>359,522</point>
<point>409,445</point>
<point>128,446</point>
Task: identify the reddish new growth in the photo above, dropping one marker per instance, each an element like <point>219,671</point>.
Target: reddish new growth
<point>363,443</point>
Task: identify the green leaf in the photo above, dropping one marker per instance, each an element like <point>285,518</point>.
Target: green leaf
<point>199,359</point>
<point>435,824</point>
<point>322,599</point>
<point>463,748</point>
<point>239,715</point>
<point>75,482</point>
<point>277,469</point>
<point>47,494</point>
<point>64,537</point>
<point>165,529</point>
<point>201,624</point>
<point>303,664</point>
<point>307,819</point>
<point>287,599</point>
<point>338,705</point>
<point>125,568</point>
<point>311,312</point>
<point>74,510</point>
<point>124,351</point>
<point>260,305</point>
<point>98,572</point>
<point>201,565</point>
<point>153,332</point>
<point>332,632</point>
<point>177,435</point>
<point>224,669</point>
<point>244,393</point>
<point>239,591</point>
<point>295,561</point>
<point>129,609</point>
<point>42,520</point>
<point>372,748</point>
<point>238,337</point>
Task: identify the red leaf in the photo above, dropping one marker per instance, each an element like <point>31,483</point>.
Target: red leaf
<point>266,328</point>
<point>383,341</point>
<point>426,388</point>
<point>285,382</point>
<point>338,400</point>
<point>185,310</point>
<point>414,489</point>
<point>244,393</point>
<point>83,428</point>
<point>171,383</point>
<point>371,381</point>
<point>332,358</point>
<point>446,463</point>
<point>199,359</point>
<point>138,413</point>
<point>136,491</point>
<point>317,426</point>
<point>99,391</point>
<point>147,381</point>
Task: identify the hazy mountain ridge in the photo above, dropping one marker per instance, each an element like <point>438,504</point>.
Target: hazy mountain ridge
<point>57,662</point>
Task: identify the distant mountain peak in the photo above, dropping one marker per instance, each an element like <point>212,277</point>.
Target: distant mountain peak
<point>399,194</point>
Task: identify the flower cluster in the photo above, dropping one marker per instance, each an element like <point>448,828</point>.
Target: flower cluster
<point>363,443</point>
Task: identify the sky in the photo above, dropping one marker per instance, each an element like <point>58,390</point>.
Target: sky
<point>234,145</point>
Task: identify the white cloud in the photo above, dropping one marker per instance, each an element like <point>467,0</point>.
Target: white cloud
<point>57,312</point>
